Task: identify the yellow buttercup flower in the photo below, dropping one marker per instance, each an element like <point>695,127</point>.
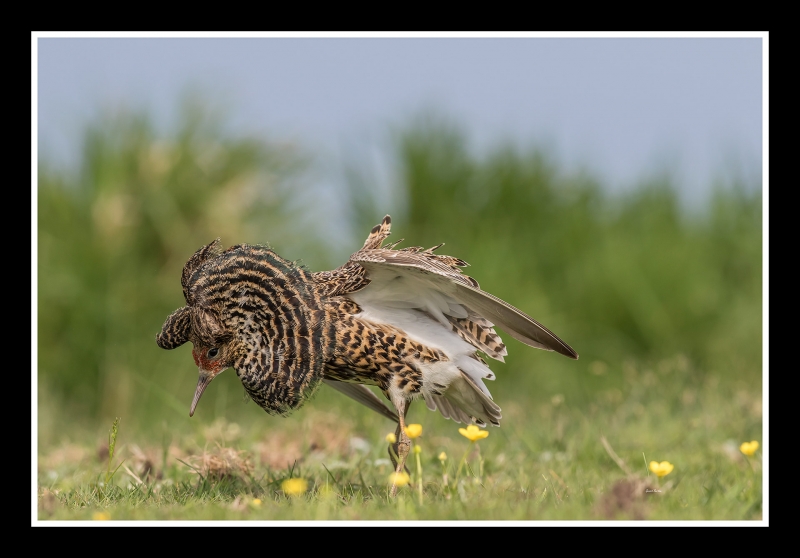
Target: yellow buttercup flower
<point>473,433</point>
<point>391,438</point>
<point>442,456</point>
<point>256,502</point>
<point>294,487</point>
<point>661,469</point>
<point>749,448</point>
<point>400,479</point>
<point>101,516</point>
<point>414,430</point>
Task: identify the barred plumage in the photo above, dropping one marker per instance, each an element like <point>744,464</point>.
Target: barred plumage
<point>252,310</point>
<point>405,320</point>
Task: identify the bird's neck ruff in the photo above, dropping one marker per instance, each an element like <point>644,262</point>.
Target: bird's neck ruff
<point>269,309</point>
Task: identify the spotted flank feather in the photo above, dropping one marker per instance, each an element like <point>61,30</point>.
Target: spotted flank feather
<point>482,337</point>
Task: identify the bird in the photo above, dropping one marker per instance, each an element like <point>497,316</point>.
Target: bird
<point>406,320</point>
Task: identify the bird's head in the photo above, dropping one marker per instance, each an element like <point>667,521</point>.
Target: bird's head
<point>211,359</point>
<point>202,322</point>
<point>216,348</point>
<point>249,309</point>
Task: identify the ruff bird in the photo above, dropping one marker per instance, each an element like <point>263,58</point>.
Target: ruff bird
<point>405,320</point>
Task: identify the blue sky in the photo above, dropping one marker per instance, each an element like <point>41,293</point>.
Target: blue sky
<point>622,108</point>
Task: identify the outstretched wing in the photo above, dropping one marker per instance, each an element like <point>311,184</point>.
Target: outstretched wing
<point>435,284</point>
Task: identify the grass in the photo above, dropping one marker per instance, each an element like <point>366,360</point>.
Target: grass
<point>664,306</point>
<point>560,469</point>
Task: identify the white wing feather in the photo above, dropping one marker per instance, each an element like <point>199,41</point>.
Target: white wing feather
<point>441,283</point>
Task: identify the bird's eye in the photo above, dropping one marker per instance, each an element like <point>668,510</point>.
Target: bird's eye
<point>213,352</point>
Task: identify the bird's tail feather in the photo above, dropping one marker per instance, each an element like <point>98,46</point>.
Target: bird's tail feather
<point>465,402</point>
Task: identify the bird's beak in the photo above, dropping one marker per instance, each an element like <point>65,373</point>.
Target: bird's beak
<point>202,383</point>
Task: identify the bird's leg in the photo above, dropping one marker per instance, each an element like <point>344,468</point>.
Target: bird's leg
<point>393,447</point>
<point>403,447</point>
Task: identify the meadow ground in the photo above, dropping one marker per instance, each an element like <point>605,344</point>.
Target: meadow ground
<point>548,461</point>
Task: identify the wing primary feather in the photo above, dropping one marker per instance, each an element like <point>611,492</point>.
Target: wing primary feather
<point>518,324</point>
<point>463,288</point>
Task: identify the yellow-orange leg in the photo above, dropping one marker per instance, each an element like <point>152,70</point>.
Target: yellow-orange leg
<point>392,449</point>
<point>403,448</point>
